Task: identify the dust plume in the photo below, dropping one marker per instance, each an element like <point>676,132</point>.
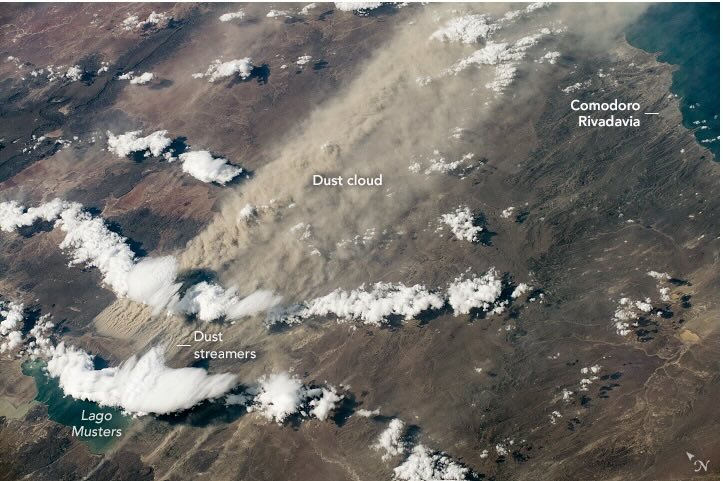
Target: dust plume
<point>381,123</point>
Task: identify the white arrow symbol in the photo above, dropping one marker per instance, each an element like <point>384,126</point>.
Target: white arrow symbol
<point>690,456</point>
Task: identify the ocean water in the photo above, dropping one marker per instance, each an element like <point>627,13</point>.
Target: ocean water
<point>67,411</point>
<point>687,35</point>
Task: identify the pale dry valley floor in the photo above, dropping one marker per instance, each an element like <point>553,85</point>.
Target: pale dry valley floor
<point>515,296</point>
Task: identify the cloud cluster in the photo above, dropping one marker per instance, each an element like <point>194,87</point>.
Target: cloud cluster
<point>550,57</point>
<point>577,86</point>
<point>241,67</point>
<point>391,440</point>
<point>227,17</point>
<point>363,7</point>
<point>438,164</point>
<point>13,215</point>
<point>141,79</point>
<point>207,168</point>
<point>516,14</point>
<point>140,385</point>
<point>590,374</point>
<point>324,401</point>
<point>467,29</point>
<point>126,144</point>
<point>423,464</point>
<point>278,13</point>
<point>519,290</point>
<point>461,221</point>
<point>374,306</point>
<point>628,313</point>
<point>35,344</point>
<point>151,280</point>
<point>302,230</point>
<point>209,301</point>
<point>499,54</point>
<point>377,305</point>
<point>38,341</point>
<point>200,164</point>
<point>303,60</point>
<point>91,243</point>
<point>279,396</point>
<point>661,278</point>
<point>247,213</point>
<point>504,56</point>
<point>132,22</point>
<point>11,336</point>
<point>367,413</point>
<point>74,73</point>
<point>481,292</point>
<point>307,9</point>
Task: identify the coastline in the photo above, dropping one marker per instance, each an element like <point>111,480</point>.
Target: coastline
<point>696,78</point>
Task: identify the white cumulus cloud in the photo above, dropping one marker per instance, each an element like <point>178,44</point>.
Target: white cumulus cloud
<point>520,289</point>
<point>143,78</point>
<point>124,145</point>
<point>74,73</point>
<point>461,221</point>
<point>504,56</point>
<point>423,464</point>
<point>466,29</point>
<point>280,395</point>
<point>207,168</point>
<point>150,280</point>
<point>357,6</point>
<point>324,405</point>
<point>374,306</point>
<point>200,164</point>
<point>13,215</point>
<point>12,321</point>
<point>241,67</point>
<point>91,243</point>
<point>247,213</point>
<point>477,292</point>
<point>209,301</point>
<point>391,440</point>
<point>307,9</point>
<point>227,17</point>
<point>154,19</point>
<point>140,385</point>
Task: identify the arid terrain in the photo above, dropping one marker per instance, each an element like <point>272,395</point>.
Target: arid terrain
<point>590,352</point>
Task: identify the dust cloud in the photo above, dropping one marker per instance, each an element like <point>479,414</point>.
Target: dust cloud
<point>383,121</point>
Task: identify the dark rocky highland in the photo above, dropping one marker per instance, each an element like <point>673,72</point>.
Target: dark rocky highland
<point>595,210</point>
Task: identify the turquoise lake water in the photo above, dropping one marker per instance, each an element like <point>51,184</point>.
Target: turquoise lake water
<point>688,35</point>
<point>67,411</point>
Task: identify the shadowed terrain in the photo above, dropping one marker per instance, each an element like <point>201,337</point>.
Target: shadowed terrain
<point>582,215</point>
